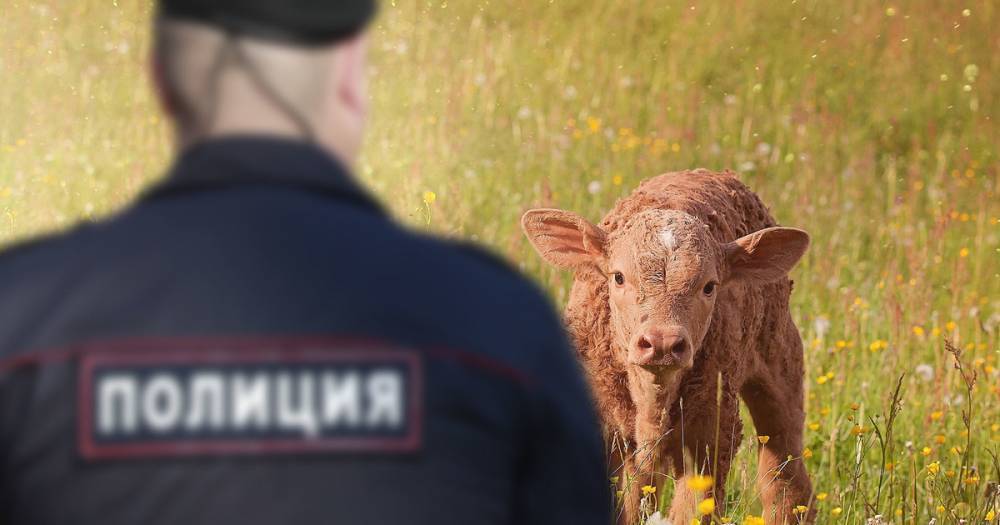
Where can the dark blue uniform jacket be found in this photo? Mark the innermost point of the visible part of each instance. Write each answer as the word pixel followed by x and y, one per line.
pixel 255 341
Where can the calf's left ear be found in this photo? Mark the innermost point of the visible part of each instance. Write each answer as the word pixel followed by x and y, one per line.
pixel 765 255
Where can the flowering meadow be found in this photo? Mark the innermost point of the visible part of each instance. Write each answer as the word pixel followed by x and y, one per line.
pixel 872 125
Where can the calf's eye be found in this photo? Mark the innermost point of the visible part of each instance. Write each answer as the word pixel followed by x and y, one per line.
pixel 709 288
pixel 619 278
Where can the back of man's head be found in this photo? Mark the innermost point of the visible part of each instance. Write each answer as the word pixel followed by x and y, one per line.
pixel 291 68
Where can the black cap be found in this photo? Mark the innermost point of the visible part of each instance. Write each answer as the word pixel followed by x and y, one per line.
pixel 302 22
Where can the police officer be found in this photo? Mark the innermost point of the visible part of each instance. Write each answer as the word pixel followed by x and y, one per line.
pixel 255 341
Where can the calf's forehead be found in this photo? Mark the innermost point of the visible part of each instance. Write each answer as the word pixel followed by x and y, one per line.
pixel 661 233
pixel 664 242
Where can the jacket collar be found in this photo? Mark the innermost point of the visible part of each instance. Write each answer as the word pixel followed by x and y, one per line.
pixel 257 160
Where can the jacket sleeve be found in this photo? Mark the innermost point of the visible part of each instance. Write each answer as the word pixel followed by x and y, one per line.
pixel 563 475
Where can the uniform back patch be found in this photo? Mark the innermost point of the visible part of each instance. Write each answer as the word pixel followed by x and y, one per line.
pixel 256 398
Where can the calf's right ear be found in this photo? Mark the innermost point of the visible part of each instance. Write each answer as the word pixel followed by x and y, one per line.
pixel 564 239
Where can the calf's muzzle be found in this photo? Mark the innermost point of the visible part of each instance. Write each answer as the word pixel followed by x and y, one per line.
pixel 657 347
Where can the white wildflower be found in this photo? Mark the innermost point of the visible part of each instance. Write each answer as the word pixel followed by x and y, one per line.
pixel 971 72
pixel 822 326
pixel 657 519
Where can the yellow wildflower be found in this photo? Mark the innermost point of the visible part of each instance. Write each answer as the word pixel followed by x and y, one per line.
pixel 648 489
pixel 616 180
pixel 857 430
pixel 926 451
pixel 990 515
pixel 699 483
pixel 594 124
pixel 964 252
pixel 855 406
pixel 800 509
pixel 706 507
pixel 807 453
pixel 429 197
pixel 763 439
pixel 918 331
pixel 950 326
pixel 821 496
pixel 972 480
pixel 936 415
pixel 836 511
pixel 753 520
pixel 939 439
pixel 940 509
pixel 933 468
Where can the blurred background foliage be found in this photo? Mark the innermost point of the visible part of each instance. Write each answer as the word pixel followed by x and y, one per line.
pixel 870 124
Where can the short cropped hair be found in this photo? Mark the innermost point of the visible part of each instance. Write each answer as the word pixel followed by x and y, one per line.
pixel 201 67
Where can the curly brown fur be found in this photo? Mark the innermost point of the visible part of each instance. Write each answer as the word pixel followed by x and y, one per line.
pixel 672 239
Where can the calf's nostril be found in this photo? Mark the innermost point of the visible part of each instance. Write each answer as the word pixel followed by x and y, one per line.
pixel 644 343
pixel 678 347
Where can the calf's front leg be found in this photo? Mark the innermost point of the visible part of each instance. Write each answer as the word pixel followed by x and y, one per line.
pixel 710 439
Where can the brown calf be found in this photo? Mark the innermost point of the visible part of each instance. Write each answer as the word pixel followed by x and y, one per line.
pixel 679 307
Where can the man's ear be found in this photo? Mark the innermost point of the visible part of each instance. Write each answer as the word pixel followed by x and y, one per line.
pixel 563 238
pixel 352 74
pixel 766 255
pixel 158 76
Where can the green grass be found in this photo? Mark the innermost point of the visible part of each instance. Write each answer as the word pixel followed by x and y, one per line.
pixel 871 125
